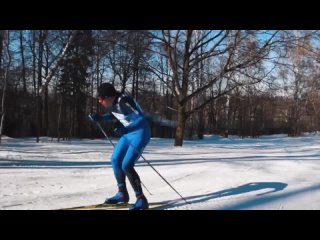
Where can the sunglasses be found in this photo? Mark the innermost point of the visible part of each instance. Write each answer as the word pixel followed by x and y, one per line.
pixel 100 99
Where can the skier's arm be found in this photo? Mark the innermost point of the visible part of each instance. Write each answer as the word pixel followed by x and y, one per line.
pixel 106 117
pixel 137 121
pixel 133 113
pixel 100 117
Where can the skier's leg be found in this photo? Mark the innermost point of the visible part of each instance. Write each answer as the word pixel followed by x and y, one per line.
pixel 118 154
pixel 138 141
pixel 128 168
pixel 116 160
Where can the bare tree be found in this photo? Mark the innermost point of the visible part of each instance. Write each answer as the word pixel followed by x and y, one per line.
pixel 23 66
pixel 42 36
pixel 312 103
pixel 55 64
pixel 229 54
pixel 5 36
pixel 42 85
pixel 120 56
pixel 295 72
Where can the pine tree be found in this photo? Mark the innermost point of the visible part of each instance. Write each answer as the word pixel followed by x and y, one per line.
pixel 73 83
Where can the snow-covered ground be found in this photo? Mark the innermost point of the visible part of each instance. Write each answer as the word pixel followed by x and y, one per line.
pixel 270 172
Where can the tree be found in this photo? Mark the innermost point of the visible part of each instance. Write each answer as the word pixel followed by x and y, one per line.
pixel 295 72
pixel 4 45
pixel 23 66
pixel 73 82
pixel 229 55
pixel 120 56
pixel 42 85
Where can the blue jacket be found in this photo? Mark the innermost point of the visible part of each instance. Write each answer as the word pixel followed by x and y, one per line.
pixel 127 111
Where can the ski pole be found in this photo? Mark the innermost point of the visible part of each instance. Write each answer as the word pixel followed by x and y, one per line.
pixel 104 133
pixel 98 124
pixel 156 170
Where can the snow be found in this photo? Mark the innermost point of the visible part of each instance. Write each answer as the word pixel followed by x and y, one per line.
pixel 270 172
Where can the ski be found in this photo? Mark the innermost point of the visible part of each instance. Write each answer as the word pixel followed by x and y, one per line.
pixel 98 206
pixel 122 206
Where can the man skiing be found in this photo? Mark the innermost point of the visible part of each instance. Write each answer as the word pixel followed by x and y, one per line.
pixel 135 135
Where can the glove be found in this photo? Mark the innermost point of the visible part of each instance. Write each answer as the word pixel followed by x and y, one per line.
pixel 95 117
pixel 120 131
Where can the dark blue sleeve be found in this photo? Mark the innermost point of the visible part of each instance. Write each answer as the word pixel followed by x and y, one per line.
pixel 136 123
pixel 132 111
pixel 107 117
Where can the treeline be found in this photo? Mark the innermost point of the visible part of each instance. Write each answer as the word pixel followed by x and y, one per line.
pixel 190 83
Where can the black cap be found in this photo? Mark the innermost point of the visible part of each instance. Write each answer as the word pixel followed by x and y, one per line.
pixel 106 90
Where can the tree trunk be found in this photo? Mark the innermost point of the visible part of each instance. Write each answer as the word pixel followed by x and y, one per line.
pixel 39 98
pixel 92 100
pixel 33 46
pixel 23 70
pixel 228 114
pixel 1 47
pixel 3 93
pixel 39 117
pixel 46 94
pixel 200 124
pixel 3 104
pixel 46 112
pixel 4 45
pixel 71 126
pixel 180 125
pixel 137 84
pixel 59 119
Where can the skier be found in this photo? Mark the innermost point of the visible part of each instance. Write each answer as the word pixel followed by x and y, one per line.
pixel 135 134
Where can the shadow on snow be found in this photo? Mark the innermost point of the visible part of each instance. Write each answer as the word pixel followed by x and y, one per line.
pixel 249 187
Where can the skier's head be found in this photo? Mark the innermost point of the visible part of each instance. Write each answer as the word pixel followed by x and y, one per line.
pixel 106 94
pixel 106 90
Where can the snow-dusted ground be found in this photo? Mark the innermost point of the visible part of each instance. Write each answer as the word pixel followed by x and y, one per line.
pixel 270 172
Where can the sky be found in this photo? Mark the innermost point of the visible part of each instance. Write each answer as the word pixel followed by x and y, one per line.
pixel 267 173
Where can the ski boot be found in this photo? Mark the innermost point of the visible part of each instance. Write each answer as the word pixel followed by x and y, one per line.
pixel 119 197
pixel 141 203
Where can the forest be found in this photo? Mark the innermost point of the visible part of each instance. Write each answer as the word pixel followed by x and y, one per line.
pixel 189 82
